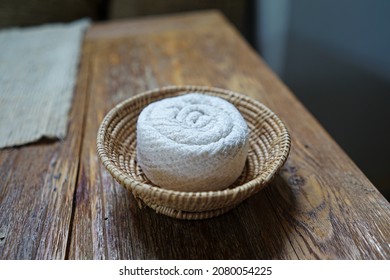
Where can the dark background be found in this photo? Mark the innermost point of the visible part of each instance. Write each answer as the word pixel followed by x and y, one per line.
pixel 333 54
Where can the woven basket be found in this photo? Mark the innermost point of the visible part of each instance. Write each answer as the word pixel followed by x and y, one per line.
pixel 116 145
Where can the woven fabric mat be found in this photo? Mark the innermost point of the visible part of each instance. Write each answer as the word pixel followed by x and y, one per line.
pixel 38 70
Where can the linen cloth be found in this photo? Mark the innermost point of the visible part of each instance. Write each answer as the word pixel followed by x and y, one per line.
pixel 38 69
pixel 193 142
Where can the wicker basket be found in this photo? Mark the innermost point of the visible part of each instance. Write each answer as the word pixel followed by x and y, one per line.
pixel 116 146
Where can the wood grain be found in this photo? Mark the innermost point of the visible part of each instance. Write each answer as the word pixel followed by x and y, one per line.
pixel 320 206
pixel 37 186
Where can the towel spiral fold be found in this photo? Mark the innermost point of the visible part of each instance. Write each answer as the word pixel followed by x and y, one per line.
pixel 192 142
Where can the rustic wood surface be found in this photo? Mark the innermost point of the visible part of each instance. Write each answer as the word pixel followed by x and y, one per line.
pixel 320 206
pixel 37 184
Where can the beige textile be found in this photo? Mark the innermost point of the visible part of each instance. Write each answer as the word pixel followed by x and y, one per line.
pixel 38 69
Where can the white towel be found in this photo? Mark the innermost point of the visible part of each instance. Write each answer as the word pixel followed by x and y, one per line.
pixel 192 142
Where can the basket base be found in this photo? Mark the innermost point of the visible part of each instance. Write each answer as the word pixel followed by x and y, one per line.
pixel 185 215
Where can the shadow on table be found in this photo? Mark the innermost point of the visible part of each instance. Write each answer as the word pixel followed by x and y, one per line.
pixel 253 230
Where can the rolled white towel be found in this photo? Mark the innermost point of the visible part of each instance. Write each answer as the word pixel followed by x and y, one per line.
pixel 192 142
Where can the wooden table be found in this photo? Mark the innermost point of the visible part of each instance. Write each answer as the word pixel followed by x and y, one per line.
pixel 58 202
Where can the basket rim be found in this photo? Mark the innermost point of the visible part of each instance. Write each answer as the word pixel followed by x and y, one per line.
pixel 133 184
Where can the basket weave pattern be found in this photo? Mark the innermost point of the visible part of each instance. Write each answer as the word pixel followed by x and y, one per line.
pixel 116 146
